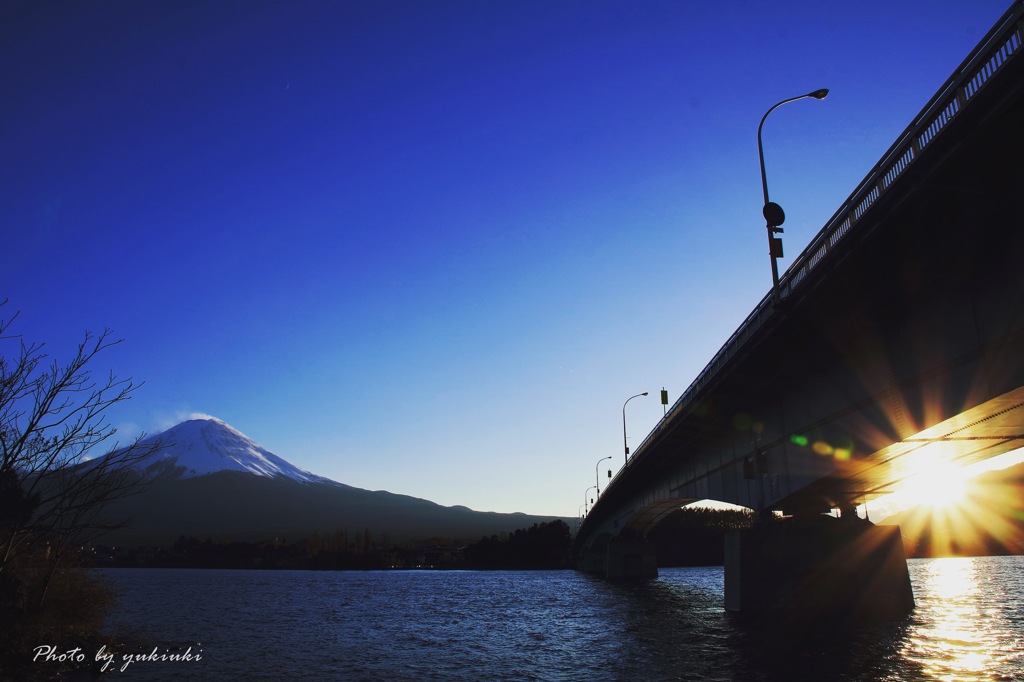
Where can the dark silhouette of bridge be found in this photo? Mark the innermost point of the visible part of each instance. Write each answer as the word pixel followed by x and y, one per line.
pixel 897 337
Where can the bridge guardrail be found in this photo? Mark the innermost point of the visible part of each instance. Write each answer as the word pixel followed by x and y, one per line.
pixel 1002 43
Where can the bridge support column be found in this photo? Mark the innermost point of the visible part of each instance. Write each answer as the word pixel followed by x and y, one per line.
pixel 818 568
pixel 630 558
pixel 593 560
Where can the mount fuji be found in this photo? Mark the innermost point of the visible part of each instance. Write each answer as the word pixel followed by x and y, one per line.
pixel 198 447
pixel 208 480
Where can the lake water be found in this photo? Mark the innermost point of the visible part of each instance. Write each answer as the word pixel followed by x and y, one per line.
pixel 557 625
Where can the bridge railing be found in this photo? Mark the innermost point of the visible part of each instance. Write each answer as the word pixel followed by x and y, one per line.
pixel 1001 44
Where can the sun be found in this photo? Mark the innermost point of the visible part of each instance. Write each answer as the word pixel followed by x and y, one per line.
pixel 944 510
pixel 934 484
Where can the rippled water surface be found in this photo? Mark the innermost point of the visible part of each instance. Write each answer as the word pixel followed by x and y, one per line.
pixel 273 625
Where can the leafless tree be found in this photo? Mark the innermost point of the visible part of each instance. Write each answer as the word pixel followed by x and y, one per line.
pixel 53 425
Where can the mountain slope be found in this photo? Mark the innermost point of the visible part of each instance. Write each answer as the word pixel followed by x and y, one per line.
pixel 213 482
pixel 237 506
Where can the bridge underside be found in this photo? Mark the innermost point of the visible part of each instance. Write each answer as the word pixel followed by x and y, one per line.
pixel 987 430
pixel 990 429
pixel 641 523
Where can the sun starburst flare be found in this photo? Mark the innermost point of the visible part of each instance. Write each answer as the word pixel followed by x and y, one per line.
pixel 951 514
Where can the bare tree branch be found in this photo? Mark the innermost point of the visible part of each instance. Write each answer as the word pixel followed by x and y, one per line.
pixel 55 481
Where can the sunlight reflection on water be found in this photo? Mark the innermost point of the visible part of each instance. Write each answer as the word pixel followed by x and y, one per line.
pixel 968 620
pixel 558 625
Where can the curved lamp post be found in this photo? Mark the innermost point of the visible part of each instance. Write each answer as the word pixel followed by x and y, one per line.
pixel 586 510
pixel 624 445
pixel 773 213
pixel 597 476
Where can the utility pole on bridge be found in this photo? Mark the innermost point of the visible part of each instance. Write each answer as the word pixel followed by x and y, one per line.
pixel 773 214
pixel 624 445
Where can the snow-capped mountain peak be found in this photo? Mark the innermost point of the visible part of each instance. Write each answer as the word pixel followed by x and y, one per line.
pixel 204 446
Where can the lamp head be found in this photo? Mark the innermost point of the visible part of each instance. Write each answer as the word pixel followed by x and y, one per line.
pixel 774 214
pixel 819 94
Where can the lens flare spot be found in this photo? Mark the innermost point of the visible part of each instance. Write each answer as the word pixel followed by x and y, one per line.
pixel 800 440
pixel 820 447
pixel 842 454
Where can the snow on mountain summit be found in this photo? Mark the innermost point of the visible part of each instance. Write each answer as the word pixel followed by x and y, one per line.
pixel 204 446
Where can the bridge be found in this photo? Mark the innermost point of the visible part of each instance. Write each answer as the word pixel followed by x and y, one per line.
pixel 896 337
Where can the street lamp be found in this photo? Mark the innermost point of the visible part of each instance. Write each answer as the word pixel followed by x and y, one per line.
pixel 597 476
pixel 624 445
pixel 585 498
pixel 773 213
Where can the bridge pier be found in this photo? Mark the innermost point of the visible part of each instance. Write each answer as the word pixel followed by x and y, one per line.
pixel 620 559
pixel 593 560
pixel 818 568
pixel 629 559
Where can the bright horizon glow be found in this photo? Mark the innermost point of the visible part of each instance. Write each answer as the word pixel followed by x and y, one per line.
pixel 431 248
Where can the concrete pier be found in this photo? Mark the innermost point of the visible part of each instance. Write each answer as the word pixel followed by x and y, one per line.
pixel 620 559
pixel 818 568
pixel 630 559
pixel 593 560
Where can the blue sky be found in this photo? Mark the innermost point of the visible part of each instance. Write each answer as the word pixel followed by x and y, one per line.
pixel 431 247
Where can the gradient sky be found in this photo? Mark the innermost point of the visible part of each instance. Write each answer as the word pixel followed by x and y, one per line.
pixel 431 247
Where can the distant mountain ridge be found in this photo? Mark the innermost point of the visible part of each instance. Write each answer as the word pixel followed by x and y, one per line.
pixel 212 481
